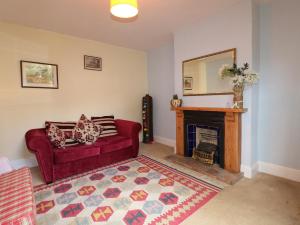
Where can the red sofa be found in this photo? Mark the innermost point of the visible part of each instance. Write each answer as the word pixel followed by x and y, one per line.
pixel 60 163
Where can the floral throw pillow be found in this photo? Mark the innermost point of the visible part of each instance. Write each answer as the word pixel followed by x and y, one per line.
pixel 85 131
pixel 56 136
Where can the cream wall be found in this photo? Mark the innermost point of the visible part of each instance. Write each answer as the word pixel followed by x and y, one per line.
pixel 117 90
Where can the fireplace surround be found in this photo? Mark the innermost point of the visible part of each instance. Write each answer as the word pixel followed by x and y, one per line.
pixel 230 158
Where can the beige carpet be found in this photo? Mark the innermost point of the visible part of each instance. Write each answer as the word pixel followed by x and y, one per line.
pixel 263 200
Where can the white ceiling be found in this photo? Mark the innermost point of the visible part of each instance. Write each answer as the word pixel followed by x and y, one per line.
pixel 91 19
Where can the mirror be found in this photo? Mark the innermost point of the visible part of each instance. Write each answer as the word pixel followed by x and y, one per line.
pixel 200 75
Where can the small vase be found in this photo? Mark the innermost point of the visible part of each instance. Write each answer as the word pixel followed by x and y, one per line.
pixel 176 103
pixel 238 97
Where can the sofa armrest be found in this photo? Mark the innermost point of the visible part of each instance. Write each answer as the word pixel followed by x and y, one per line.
pixel 38 143
pixel 130 129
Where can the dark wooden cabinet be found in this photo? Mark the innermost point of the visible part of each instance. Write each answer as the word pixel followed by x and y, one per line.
pixel 147 119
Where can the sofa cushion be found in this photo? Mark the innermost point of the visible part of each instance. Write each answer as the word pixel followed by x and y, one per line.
pixel 113 143
pixel 108 125
pixel 85 131
pixel 74 153
pixel 67 128
pixel 56 136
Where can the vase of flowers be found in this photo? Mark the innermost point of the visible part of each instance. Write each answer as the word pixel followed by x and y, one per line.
pixel 240 77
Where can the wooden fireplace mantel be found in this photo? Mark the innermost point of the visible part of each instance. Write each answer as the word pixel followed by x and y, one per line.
pixel 232 139
pixel 210 109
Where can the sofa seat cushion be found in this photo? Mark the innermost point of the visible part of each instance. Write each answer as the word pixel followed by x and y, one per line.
pixel 74 153
pixel 113 143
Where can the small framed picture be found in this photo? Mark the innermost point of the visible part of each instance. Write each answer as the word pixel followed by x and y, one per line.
pixel 39 75
pixel 92 63
pixel 188 83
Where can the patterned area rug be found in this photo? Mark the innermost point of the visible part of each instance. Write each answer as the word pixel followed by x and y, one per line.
pixel 134 192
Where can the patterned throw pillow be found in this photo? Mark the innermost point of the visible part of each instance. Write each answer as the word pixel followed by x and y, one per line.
pixel 85 131
pixel 56 136
pixel 108 125
pixel 67 128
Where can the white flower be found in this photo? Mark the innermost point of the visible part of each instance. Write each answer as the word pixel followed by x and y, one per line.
pixel 251 77
pixel 248 77
pixel 238 80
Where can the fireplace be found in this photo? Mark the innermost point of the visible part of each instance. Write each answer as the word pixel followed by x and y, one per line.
pixel 225 123
pixel 204 134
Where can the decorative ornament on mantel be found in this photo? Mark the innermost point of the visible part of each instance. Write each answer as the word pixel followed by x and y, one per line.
pixel 124 8
pixel 240 77
pixel 175 102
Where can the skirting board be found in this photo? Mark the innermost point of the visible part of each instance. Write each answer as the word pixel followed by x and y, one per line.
pixel 165 141
pixel 279 171
pixel 249 172
pixel 272 169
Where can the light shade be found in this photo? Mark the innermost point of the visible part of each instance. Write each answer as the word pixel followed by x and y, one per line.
pixel 124 8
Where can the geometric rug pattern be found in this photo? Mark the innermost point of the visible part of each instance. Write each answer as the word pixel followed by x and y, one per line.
pixel 134 192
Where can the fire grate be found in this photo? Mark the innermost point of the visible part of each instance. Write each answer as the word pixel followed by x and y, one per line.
pixel 205 153
pixel 207 140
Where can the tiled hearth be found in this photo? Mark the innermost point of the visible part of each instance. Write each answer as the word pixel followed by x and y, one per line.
pixel 213 171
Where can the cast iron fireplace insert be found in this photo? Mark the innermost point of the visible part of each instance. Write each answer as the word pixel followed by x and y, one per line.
pixel 207 120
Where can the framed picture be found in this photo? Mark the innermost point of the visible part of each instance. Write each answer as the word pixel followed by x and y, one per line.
pixel 188 83
pixel 39 75
pixel 92 63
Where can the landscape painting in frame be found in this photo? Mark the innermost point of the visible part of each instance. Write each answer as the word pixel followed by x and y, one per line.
pixel 92 63
pixel 39 75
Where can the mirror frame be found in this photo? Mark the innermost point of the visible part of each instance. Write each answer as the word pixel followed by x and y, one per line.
pixel 205 56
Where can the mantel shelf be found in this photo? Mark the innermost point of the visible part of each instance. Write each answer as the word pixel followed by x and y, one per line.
pixel 211 109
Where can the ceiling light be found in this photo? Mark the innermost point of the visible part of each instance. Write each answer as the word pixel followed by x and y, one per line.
pixel 124 8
